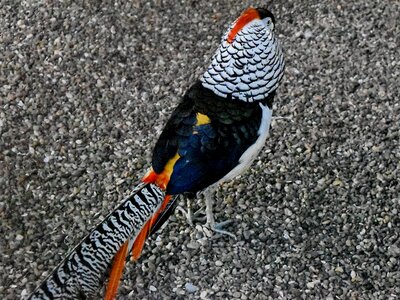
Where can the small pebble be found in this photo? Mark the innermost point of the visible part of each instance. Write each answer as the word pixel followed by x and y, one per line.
pixel 191 288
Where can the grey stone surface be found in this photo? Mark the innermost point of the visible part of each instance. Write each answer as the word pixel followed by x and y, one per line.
pixel 86 87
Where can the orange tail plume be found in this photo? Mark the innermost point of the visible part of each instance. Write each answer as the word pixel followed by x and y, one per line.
pixel 116 272
pixel 137 248
pixel 144 233
pixel 160 180
pixel 138 245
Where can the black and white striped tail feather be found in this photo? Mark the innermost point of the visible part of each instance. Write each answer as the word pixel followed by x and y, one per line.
pixel 80 274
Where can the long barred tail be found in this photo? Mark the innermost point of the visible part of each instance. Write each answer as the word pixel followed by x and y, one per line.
pixel 81 273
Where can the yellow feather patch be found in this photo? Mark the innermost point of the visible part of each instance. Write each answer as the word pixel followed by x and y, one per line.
pixel 202 119
pixel 169 167
pixel 163 178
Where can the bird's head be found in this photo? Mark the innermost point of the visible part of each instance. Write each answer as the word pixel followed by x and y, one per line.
pixel 249 63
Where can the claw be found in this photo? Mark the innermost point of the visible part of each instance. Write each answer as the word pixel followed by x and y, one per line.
pixel 210 223
pixel 190 216
pixel 217 227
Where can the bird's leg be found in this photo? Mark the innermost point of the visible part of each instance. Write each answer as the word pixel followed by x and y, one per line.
pixel 217 227
pixel 190 216
pixel 208 194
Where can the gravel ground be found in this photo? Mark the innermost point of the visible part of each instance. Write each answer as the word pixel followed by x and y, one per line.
pixel 86 88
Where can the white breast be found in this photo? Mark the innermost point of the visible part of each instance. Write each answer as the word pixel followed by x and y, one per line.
pixel 250 154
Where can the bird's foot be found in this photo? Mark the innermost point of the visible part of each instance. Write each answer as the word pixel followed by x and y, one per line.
pixel 191 216
pixel 218 228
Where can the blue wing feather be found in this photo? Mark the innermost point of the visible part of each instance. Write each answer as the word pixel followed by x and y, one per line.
pixel 203 160
pixel 209 151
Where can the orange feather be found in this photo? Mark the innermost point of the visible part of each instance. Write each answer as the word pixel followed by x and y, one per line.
pixel 117 268
pixel 246 17
pixel 116 272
